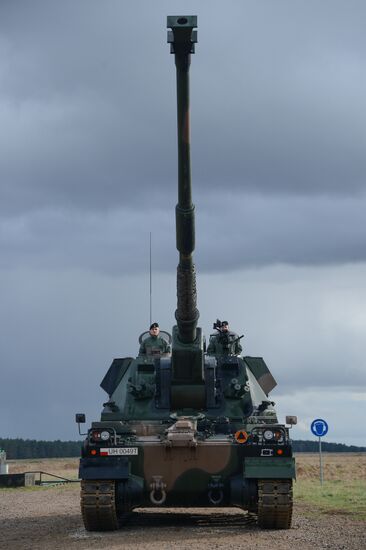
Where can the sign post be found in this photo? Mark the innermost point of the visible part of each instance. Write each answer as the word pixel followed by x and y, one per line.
pixel 319 427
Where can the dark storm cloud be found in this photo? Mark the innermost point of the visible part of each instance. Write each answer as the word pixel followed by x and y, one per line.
pixel 80 106
pixel 290 103
pixel 234 230
pixel 242 230
pixel 88 169
pixel 61 330
pixel 88 106
pixel 88 140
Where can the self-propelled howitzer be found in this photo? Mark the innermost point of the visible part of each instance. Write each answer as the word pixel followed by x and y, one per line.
pixel 186 428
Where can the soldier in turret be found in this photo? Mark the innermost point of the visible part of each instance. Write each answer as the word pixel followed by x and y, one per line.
pixel 154 344
pixel 225 342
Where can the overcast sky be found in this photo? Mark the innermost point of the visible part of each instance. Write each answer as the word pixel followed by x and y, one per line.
pixel 88 169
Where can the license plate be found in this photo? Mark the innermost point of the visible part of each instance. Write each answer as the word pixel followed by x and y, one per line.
pixel 120 451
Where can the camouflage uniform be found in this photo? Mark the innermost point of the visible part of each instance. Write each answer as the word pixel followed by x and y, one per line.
pixel 224 344
pixel 154 345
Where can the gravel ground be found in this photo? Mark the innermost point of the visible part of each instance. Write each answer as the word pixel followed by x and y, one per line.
pixel 49 518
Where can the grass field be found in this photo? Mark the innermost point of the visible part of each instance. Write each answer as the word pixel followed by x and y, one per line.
pixel 336 496
pixel 343 490
pixel 344 487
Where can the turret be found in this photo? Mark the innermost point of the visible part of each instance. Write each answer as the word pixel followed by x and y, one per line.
pixel 187 348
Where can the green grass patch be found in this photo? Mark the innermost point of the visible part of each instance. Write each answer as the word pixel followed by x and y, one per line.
pixel 337 496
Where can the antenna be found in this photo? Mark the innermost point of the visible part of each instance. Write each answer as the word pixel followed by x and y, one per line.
pixel 150 285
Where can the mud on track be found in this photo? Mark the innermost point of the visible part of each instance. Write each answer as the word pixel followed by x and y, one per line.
pixel 49 518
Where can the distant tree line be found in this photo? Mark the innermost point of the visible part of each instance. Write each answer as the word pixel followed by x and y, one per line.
pixel 30 448
pixel 313 447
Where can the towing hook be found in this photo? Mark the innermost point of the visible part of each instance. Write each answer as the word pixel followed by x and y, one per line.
pixel 215 491
pixel 215 496
pixel 158 493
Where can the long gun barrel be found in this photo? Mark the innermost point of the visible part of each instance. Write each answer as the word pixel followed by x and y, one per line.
pixel 182 38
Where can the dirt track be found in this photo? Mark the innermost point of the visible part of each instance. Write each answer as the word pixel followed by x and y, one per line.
pixel 49 518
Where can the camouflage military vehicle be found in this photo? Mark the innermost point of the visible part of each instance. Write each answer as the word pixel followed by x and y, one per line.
pixel 186 429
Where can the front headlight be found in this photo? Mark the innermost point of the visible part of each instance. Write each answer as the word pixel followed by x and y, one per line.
pixel 97 435
pixel 104 436
pixel 268 435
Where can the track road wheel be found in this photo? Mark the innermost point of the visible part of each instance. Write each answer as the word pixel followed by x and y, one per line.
pixel 98 505
pixel 275 503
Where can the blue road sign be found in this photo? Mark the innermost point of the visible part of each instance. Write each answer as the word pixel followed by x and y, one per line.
pixel 319 427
